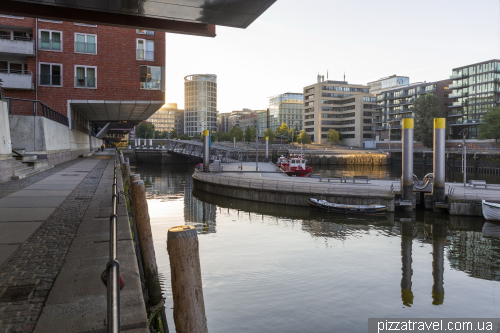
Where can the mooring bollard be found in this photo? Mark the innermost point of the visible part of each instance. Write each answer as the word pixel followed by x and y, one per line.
pixel 135 177
pixel 187 289
pixel 145 236
pixel 122 160
pixel 439 160
pixel 407 172
pixel 206 151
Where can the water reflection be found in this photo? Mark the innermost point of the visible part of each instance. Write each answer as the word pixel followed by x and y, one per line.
pixel 439 231
pixel 406 260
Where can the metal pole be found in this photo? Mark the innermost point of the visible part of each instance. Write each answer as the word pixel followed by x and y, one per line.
pixel 267 149
pixel 407 179
pixel 234 142
pixel 256 150
pixel 464 160
pixel 206 151
pixel 390 125
pixel 438 187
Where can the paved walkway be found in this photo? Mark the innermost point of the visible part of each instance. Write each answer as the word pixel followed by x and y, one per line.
pixel 54 240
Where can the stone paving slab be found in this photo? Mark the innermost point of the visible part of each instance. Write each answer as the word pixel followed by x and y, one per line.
pixel 49 186
pixel 59 181
pixel 40 193
pixel 17 232
pixel 25 215
pixel 33 202
pixel 6 251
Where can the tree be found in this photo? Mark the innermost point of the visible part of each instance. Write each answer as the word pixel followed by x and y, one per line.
pixel 332 136
pixel 282 130
pixel 491 127
pixel 269 134
pixel 426 108
pixel 185 137
pixel 224 136
pixel 145 130
pixel 197 136
pixel 174 134
pixel 236 132
pixel 249 134
pixel 304 137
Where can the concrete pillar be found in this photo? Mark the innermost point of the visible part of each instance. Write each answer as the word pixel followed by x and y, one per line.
pixel 438 187
pixel 206 151
pixel 267 150
pixel 139 140
pixel 438 238
pixel 151 142
pixel 407 177
pixel 406 261
pixel 234 142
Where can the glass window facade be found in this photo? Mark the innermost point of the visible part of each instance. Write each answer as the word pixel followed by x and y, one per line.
pixel 286 108
pixel 200 98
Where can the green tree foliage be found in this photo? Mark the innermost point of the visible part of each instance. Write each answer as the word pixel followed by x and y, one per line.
pixel 491 127
pixel 145 130
pixel 236 132
pixel 174 134
pixel 304 137
pixel 249 134
pixel 197 136
pixel 185 137
pixel 282 130
pixel 332 136
pixel 426 108
pixel 270 134
pixel 224 136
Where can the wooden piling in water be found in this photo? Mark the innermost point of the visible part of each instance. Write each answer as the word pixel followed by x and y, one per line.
pixel 187 290
pixel 145 236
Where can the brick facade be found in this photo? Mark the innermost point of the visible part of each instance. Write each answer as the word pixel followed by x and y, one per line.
pixel 117 67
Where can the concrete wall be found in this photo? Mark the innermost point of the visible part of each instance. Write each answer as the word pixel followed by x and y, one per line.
pixel 17 81
pixel 49 139
pixel 5 144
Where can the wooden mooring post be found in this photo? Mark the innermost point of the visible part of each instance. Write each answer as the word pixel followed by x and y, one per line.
pixel 145 236
pixel 187 290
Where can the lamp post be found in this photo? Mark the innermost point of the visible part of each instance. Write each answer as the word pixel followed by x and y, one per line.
pixel 464 154
pixel 256 149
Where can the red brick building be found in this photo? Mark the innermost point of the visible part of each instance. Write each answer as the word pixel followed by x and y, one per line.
pixel 92 74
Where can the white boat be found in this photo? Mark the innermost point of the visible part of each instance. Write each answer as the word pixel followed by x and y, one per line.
pixel 491 211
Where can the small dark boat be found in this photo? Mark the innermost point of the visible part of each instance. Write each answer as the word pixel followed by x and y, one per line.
pixel 348 209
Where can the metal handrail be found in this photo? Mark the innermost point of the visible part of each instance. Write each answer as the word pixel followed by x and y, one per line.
pixel 46 111
pixel 113 266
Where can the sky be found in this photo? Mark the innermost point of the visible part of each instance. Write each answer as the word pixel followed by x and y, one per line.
pixel 286 47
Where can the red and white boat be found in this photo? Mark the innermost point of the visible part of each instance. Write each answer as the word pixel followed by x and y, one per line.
pixel 296 167
pixel 281 160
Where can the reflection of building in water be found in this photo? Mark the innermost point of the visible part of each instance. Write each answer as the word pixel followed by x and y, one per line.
pixel 165 180
pixel 439 231
pixel 475 255
pixel 345 230
pixel 406 260
pixel 199 214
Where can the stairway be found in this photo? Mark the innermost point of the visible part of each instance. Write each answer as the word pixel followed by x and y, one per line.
pixel 25 165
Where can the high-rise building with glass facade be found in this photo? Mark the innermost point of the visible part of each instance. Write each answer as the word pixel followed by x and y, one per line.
pixel 262 120
pixel 200 103
pixel 286 108
pixel 475 89
pixel 168 118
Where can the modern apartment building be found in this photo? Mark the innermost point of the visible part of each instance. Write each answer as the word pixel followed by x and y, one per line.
pixel 346 108
pixel 397 103
pixel 262 120
pixel 200 103
pixel 223 122
pixel 386 83
pixel 286 108
pixel 91 74
pixel 475 89
pixel 248 120
pixel 168 118
pixel 235 116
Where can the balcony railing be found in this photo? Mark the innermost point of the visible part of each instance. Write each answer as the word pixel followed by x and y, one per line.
pixel 145 55
pixel 456 95
pixel 457 76
pixel 377 121
pixel 17 79
pixel 50 44
pixel 18 45
pixel 85 47
pixel 50 80
pixel 85 82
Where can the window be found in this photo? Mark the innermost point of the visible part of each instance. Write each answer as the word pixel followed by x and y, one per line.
pixel 145 32
pixel 150 77
pixel 51 75
pixel 50 40
pixel 85 43
pixel 85 76
pixel 145 49
pixel 13 67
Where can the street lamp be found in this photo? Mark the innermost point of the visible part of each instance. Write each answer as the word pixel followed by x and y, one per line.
pixel 390 122
pixel 464 154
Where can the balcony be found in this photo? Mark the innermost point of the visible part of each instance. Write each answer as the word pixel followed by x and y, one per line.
pixel 459 122
pixel 21 80
pixel 24 46
pixel 456 95
pixel 457 76
pixel 379 106
pixel 377 121
pixel 458 104
pixel 379 128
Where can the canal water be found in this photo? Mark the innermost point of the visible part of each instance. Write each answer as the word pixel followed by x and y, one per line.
pixel 274 268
